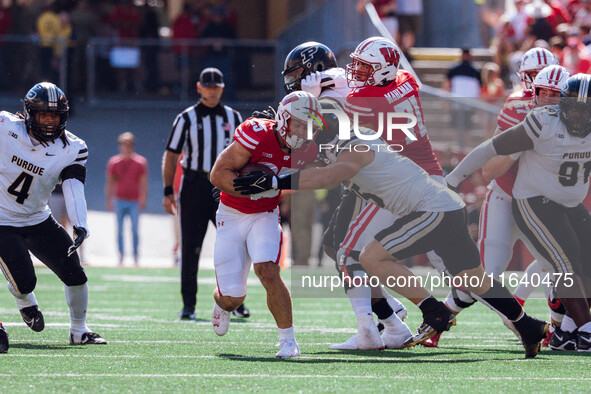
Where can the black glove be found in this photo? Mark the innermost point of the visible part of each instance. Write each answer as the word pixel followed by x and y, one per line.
pixel 80 234
pixel 215 193
pixel 265 114
pixel 255 182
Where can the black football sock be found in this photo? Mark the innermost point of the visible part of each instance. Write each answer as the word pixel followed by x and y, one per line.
pixel 382 309
pixel 500 298
pixel 428 305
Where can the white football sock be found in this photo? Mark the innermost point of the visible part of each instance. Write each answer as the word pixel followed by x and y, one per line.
pixel 22 300
pixel 286 334
pixel 586 327
pixel 568 324
pixel 534 274
pixel 77 299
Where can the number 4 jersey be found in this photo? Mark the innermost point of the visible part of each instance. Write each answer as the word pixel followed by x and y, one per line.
pixel 558 166
pixel 29 173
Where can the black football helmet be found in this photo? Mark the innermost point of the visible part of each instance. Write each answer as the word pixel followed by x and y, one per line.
pixel 575 105
pixel 303 60
pixel 45 97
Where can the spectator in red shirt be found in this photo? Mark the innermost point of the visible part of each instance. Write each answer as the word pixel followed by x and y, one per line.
pixel 127 188
pixel 574 58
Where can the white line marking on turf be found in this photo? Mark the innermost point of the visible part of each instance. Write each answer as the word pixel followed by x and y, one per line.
pixel 274 376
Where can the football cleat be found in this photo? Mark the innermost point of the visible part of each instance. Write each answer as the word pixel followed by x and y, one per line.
pixel 3 340
pixel 563 340
pixel 393 337
pixel 241 311
pixel 33 318
pixel 434 322
pixel 187 314
pixel 584 341
pixel 220 320
pixel 532 332
pixel 433 341
pixel 88 338
pixel 288 349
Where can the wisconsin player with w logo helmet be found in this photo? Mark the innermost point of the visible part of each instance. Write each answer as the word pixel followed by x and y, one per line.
pixel 552 181
pixel 39 153
pixel 248 226
pixel 379 88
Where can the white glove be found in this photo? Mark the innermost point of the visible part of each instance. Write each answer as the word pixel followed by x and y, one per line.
pixel 311 83
pixel 266 194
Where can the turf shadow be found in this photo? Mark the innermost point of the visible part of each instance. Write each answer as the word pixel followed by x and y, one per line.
pixel 40 346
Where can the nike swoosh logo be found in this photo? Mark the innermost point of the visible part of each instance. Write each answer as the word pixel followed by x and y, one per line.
pixel 558 337
pixel 48 154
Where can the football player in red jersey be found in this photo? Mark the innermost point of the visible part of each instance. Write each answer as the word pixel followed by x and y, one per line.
pixel 249 226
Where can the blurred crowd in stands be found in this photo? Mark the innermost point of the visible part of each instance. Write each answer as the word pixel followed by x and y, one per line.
pixel 561 26
pixel 57 25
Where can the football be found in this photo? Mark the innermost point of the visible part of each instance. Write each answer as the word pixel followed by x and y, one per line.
pixel 252 167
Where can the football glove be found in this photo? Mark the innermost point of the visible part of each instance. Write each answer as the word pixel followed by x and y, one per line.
pixel 268 113
pixel 80 234
pixel 215 193
pixel 255 182
pixel 311 83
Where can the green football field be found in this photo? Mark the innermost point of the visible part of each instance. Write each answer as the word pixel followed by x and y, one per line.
pixel 149 349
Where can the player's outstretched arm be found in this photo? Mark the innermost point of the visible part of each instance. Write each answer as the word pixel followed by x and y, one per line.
pixel 223 173
pixel 512 141
pixel 346 167
pixel 498 165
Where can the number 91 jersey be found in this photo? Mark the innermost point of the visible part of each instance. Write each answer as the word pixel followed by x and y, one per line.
pixel 29 173
pixel 558 166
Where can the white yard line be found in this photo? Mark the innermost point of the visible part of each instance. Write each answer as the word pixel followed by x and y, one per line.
pixel 277 376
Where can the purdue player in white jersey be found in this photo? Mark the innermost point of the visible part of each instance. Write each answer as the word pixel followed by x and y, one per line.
pixel 312 67
pixel 551 184
pixel 432 217
pixel 38 153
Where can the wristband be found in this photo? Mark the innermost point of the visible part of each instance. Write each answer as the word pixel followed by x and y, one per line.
pixel 291 181
pixel 168 190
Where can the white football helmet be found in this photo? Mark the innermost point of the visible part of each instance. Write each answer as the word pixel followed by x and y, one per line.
pixel 534 61
pixel 298 105
pixel 551 78
pixel 382 57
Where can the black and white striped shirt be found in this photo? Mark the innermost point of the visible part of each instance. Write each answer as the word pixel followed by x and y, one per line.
pixel 201 133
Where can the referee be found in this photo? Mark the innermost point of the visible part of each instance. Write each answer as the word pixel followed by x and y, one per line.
pixel 200 132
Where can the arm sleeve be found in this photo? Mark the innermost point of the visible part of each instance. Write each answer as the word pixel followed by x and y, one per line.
pixel 75 202
pixel 472 162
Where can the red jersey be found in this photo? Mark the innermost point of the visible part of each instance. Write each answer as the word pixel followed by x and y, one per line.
pixel 516 106
pixel 258 137
pixel 401 95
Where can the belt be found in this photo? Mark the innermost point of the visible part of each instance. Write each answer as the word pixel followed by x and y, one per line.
pixel 191 175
